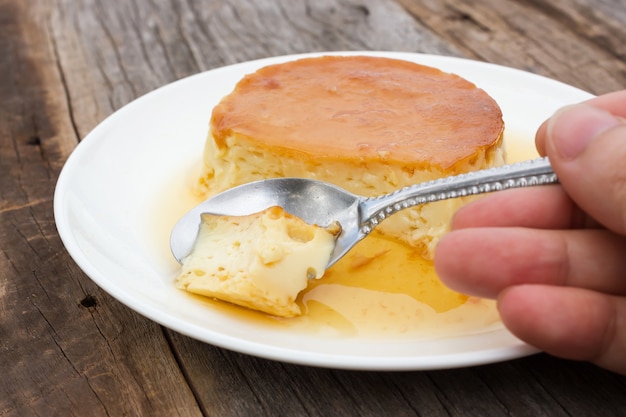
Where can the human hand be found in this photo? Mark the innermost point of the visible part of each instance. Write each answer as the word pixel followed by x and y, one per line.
pixel 555 256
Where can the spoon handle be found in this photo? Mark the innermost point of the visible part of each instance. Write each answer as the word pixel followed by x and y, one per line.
pixel 521 174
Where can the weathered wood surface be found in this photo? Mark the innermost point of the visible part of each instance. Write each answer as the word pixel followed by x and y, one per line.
pixel 67 348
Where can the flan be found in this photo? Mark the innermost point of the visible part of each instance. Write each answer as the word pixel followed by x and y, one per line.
pixel 261 261
pixel 368 124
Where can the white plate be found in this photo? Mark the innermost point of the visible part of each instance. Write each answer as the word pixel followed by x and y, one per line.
pixel 119 178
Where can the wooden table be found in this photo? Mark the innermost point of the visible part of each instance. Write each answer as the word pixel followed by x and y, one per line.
pixel 68 348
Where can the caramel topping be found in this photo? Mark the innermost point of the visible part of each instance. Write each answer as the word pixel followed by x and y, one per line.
pixel 362 109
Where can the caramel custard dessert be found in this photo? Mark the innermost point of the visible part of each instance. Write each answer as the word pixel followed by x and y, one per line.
pixel 261 261
pixel 370 125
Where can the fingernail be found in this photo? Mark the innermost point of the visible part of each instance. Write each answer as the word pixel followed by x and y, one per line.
pixel 573 128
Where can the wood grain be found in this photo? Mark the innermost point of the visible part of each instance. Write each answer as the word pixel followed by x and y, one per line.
pixel 572 41
pixel 68 348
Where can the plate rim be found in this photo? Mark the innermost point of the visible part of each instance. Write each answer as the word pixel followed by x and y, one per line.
pixel 288 355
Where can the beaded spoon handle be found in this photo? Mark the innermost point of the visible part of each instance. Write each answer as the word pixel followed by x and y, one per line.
pixel 317 202
pixel 521 174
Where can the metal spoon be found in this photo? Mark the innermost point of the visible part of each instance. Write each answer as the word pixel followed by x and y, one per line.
pixel 321 203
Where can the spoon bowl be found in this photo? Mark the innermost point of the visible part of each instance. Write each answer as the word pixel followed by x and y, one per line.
pixel 316 202
pixel 323 204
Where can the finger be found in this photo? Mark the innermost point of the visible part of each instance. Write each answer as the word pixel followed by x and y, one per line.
pixel 587 149
pixel 485 261
pixel 611 102
pixel 571 323
pixel 546 207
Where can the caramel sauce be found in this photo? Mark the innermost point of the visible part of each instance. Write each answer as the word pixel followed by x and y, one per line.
pixel 385 265
pixel 381 288
pixel 404 113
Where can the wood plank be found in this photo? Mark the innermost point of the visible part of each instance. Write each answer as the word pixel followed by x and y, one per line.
pixel 66 347
pixel 228 32
pixel 534 36
pixel 536 386
pixel 265 387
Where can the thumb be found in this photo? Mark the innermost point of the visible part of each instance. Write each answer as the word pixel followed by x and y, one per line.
pixel 587 149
